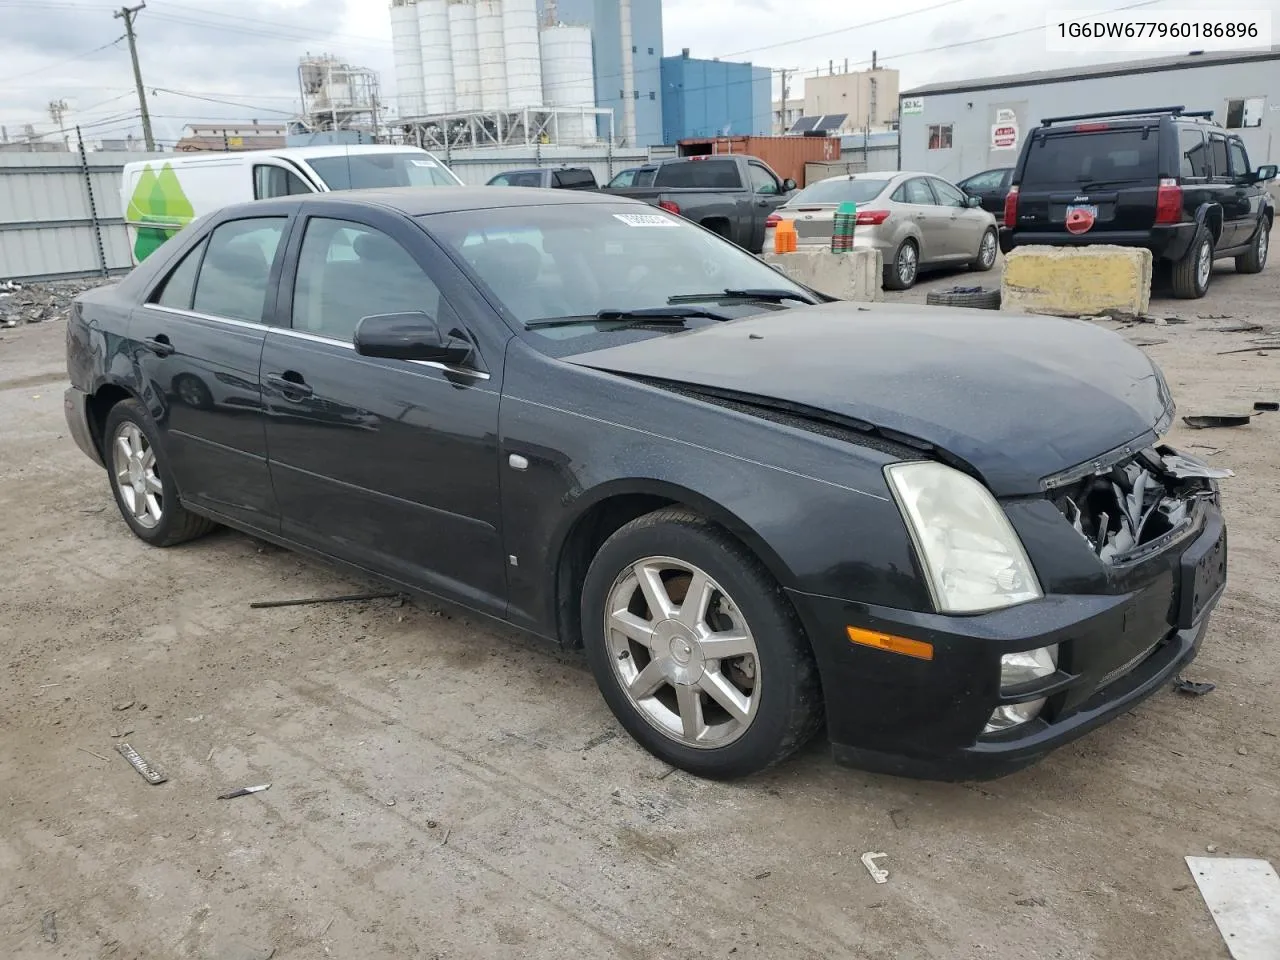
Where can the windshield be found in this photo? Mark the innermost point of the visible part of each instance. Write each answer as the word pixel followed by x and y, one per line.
pixel 359 171
pixel 574 260
pixel 839 190
pixel 1074 159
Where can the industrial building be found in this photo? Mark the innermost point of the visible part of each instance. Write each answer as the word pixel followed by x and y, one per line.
pixel 709 98
pixel 861 101
pixel 486 73
pixel 962 128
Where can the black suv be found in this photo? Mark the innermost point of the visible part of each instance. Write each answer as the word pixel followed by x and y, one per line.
pixel 1165 179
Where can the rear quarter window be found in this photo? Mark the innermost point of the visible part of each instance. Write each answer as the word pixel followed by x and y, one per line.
pixel 1110 157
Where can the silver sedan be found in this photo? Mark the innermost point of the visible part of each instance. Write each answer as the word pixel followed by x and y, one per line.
pixel 915 220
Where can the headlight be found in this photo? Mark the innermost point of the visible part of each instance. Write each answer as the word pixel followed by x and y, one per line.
pixel 1017 669
pixel 972 556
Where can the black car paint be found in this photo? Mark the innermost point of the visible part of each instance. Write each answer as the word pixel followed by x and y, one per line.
pixel 1233 208
pixel 403 470
pixel 992 199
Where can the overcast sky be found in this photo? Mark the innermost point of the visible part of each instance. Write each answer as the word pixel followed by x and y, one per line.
pixel 219 50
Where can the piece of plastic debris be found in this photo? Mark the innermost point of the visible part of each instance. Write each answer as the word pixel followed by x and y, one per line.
pixel 1184 467
pixel 244 791
pixel 1261 405
pixel 123 705
pixel 263 604
pixel 1243 897
pixel 149 773
pixel 49 926
pixel 869 861
pixel 1191 688
pixel 1199 422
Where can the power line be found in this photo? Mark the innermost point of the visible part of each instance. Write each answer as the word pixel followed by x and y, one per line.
pixel 59 63
pixel 230 103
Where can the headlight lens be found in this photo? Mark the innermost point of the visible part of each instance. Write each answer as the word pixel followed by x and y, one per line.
pixel 1016 669
pixel 973 557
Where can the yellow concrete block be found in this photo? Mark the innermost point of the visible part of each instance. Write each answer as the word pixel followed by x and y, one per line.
pixel 1077 281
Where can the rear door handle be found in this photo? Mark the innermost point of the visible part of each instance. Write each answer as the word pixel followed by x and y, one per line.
pixel 290 384
pixel 160 345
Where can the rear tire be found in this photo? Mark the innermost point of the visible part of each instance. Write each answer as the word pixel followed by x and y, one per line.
pixel 901 272
pixel 978 299
pixel 1256 258
pixel 724 688
pixel 141 481
pixel 1191 273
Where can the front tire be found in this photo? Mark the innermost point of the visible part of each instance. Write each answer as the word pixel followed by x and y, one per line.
pixel 696 649
pixel 901 273
pixel 1191 273
pixel 1256 258
pixel 141 481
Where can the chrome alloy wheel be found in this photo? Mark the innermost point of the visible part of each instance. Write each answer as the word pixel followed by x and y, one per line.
pixel 987 253
pixel 1263 241
pixel 138 481
pixel 907 264
pixel 1204 264
pixel 682 652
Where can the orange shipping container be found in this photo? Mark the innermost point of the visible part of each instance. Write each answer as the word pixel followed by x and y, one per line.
pixel 786 155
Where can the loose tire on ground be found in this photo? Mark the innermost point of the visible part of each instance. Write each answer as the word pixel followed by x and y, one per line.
pixel 978 299
pixel 1256 257
pixel 1191 274
pixel 668 559
pixel 141 481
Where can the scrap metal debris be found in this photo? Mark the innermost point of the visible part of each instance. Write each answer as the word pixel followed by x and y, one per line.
pixel 149 773
pixel 1183 467
pixel 263 604
pixel 1201 421
pixel 38 302
pixel 1191 688
pixel 877 874
pixel 244 791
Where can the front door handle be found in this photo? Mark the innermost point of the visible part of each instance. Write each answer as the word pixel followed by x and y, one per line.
pixel 290 384
pixel 159 345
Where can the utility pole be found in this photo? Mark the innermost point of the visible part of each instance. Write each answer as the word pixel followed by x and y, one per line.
pixel 127 14
pixel 58 110
pixel 783 112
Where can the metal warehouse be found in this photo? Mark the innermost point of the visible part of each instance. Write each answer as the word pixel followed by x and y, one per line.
pixel 958 129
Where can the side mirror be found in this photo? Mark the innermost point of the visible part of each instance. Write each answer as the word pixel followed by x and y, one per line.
pixel 408 336
pixel 970 201
pixel 1266 172
pixel 788 184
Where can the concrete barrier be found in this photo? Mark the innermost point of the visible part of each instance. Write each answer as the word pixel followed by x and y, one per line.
pixel 856 275
pixel 1077 281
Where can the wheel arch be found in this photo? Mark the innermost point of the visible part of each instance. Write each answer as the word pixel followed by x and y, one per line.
pixel 605 510
pixel 1210 214
pixel 99 405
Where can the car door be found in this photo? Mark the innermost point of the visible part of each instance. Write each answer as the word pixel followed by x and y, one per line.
pixel 199 337
pixel 931 220
pixel 387 464
pixel 1245 203
pixel 967 223
pixel 1223 191
pixel 767 195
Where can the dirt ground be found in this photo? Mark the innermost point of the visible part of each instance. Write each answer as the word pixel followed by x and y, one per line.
pixel 441 787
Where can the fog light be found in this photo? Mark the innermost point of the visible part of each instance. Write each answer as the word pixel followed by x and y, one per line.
pixel 1015 670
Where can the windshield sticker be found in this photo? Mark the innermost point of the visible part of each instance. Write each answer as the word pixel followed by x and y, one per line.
pixel 645 220
pixel 423 163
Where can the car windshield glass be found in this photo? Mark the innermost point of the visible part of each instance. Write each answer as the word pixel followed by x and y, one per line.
pixel 1074 159
pixel 839 191
pixel 574 260
pixel 359 171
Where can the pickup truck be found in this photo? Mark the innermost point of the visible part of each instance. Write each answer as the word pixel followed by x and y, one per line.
pixel 729 195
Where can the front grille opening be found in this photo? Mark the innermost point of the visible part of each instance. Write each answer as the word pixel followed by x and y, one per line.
pixel 1137 506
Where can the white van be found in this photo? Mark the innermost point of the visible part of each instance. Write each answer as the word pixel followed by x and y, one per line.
pixel 162 196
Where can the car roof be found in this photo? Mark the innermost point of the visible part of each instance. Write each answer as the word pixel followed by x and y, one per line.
pixel 423 201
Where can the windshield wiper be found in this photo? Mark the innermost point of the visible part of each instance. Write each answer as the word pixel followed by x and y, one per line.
pixel 1093 184
pixel 674 316
pixel 766 294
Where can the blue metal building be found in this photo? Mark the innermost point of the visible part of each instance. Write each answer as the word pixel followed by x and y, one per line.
pixel 602 16
pixel 710 98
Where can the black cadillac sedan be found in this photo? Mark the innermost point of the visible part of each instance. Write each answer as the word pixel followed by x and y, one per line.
pixel 954 536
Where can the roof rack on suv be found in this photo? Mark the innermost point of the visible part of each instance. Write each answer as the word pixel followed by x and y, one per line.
pixel 1152 111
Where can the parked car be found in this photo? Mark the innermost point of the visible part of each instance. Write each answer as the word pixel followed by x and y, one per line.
pixel 729 195
pixel 633 177
pixel 562 178
pixel 755 508
pixel 160 197
pixel 990 187
pixel 916 220
pixel 1165 179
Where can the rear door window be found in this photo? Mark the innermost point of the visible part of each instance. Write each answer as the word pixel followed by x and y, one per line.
pixel 985 182
pixel 179 287
pixel 1104 158
pixel 699 173
pixel 235 275
pixel 1194 162
pixel 1239 159
pixel 1218 151
pixel 272 181
pixel 915 191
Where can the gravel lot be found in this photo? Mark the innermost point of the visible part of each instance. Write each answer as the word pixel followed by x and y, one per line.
pixel 441 787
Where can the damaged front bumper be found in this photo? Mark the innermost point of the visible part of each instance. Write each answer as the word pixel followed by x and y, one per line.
pixel 1124 626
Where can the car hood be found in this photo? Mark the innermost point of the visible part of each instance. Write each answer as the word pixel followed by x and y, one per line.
pixel 1017 398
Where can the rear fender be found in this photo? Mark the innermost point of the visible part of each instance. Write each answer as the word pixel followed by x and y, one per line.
pixel 1209 215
